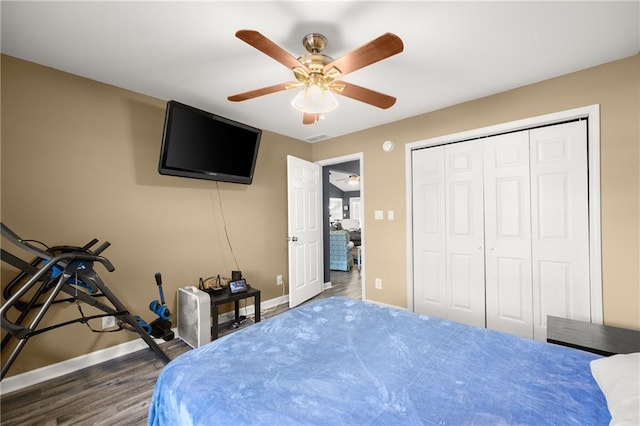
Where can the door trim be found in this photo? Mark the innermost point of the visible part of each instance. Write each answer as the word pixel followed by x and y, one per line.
pixel 343 159
pixel 592 113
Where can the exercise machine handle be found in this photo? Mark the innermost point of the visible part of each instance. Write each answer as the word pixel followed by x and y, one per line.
pixel 87 246
pixel 102 248
pixel 158 276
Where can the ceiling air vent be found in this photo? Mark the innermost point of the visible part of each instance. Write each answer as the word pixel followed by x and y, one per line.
pixel 317 138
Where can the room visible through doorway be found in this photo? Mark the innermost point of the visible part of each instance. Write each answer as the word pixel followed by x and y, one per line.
pixel 343 223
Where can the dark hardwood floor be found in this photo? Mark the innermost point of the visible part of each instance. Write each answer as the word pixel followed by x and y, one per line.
pixel 118 392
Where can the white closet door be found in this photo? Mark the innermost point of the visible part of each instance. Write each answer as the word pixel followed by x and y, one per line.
pixel 429 242
pixel 465 233
pixel 508 234
pixel 560 224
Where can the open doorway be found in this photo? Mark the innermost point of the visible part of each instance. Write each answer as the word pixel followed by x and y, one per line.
pixel 343 223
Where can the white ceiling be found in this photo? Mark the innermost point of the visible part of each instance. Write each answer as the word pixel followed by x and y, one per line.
pixel 453 51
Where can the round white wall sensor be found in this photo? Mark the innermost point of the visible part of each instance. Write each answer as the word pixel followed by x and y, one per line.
pixel 387 146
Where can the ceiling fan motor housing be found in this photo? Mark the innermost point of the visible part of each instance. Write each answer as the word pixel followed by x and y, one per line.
pixel 314 42
pixel 315 62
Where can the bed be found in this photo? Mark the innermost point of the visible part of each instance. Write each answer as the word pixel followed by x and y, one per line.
pixel 340 361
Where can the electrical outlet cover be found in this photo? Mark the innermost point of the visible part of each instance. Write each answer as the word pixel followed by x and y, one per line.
pixel 108 322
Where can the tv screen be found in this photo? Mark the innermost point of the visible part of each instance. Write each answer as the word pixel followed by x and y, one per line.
pixel 201 145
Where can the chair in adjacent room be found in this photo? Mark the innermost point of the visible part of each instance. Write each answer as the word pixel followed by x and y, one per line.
pixel 340 251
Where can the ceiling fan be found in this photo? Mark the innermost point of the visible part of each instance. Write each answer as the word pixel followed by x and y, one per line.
pixel 319 75
pixel 345 178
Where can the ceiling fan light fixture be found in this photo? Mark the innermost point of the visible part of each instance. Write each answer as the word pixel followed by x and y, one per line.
pixel 314 99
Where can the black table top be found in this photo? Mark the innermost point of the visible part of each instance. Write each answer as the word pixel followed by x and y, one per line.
pixel 226 296
pixel 596 338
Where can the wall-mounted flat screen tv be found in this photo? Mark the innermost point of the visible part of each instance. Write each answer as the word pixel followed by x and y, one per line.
pixel 198 144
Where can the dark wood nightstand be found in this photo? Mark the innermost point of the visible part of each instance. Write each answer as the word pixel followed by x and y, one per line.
pixel 600 339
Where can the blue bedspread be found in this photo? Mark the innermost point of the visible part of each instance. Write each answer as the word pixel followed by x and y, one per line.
pixel 345 362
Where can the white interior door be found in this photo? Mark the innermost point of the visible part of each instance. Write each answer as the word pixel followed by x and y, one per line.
pixel 464 227
pixel 304 230
pixel 448 252
pixel 429 237
pixel 508 234
pixel 560 224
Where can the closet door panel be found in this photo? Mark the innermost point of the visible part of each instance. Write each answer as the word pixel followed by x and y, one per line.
pixel 464 233
pixel 429 252
pixel 508 234
pixel 560 224
pixel 461 282
pixel 511 291
pixel 555 293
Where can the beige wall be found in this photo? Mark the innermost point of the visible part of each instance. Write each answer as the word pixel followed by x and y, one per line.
pixel 615 86
pixel 79 160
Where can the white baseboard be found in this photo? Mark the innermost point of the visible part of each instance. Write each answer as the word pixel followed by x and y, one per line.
pixel 39 375
pixel 250 310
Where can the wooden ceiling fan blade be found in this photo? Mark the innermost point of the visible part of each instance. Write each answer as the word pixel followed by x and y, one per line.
pixel 269 48
pixel 365 95
pixel 310 118
pixel 376 50
pixel 260 92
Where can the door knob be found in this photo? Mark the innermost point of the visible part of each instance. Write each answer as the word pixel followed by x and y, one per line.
pixel 294 239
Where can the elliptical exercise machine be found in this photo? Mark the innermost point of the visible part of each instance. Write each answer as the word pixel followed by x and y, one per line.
pixel 70 270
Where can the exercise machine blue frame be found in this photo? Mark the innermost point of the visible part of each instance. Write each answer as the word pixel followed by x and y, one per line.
pixel 63 269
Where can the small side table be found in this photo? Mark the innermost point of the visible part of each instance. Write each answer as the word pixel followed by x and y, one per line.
pixel 226 297
pixel 596 338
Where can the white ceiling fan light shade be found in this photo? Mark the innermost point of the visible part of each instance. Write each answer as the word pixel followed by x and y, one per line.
pixel 314 99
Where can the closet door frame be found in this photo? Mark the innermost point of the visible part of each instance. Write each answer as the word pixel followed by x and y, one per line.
pixel 592 113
